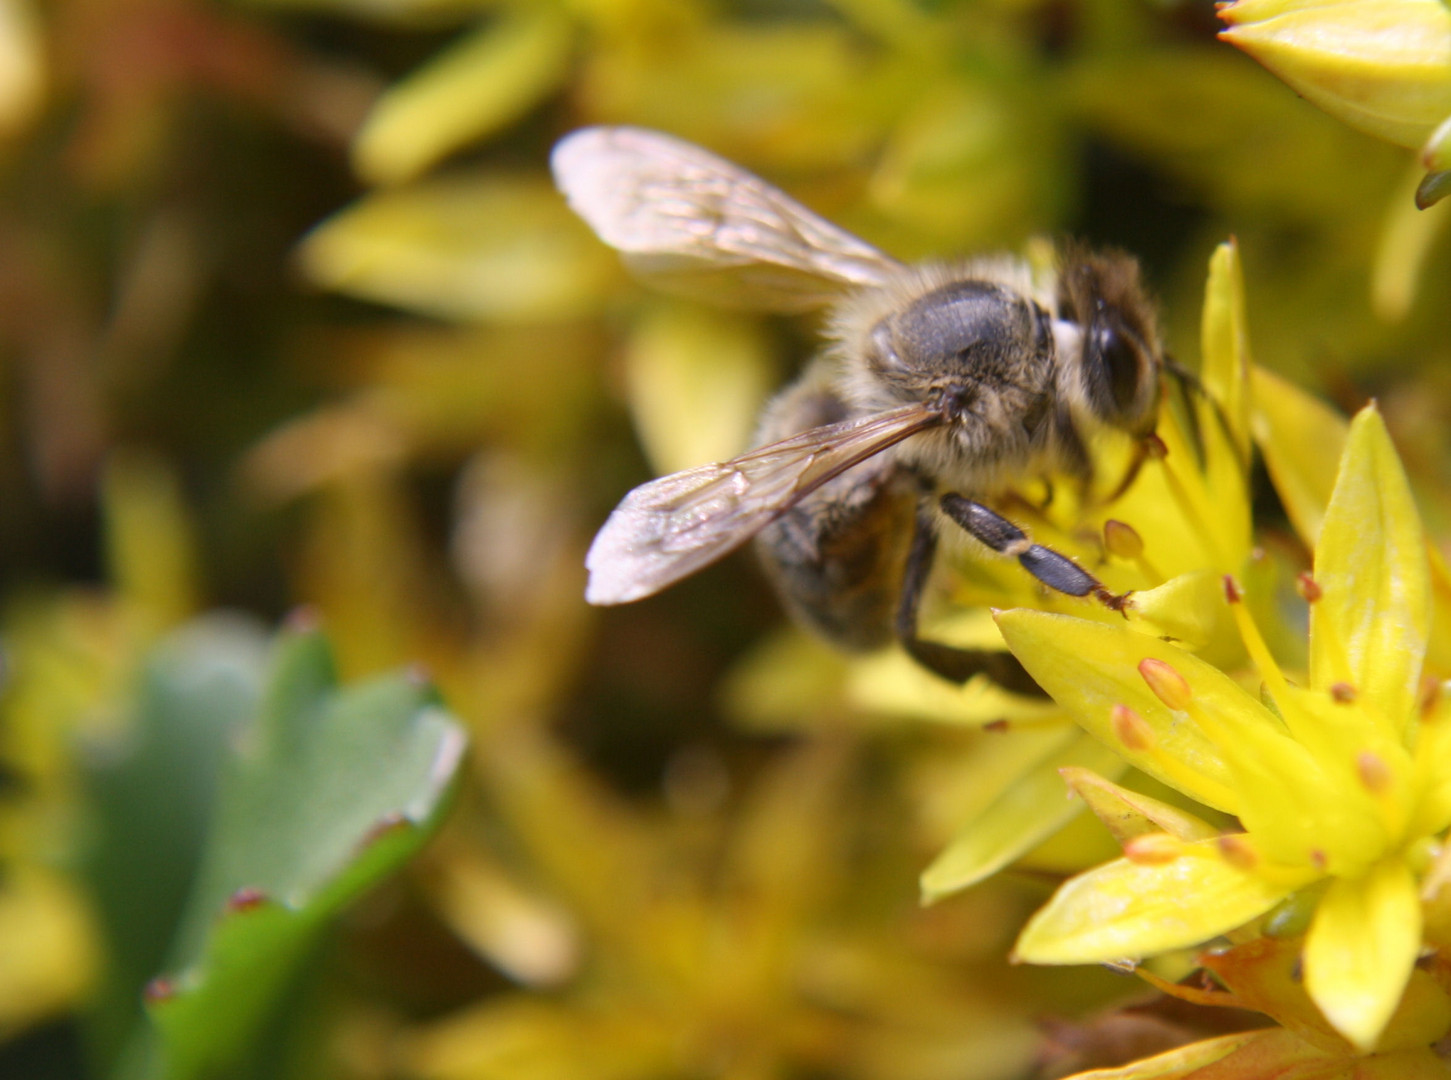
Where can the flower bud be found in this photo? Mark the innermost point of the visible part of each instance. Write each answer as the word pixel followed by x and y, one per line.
pixel 1382 66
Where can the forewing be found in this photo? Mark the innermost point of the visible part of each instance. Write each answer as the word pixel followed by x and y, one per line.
pixel 692 222
pixel 671 527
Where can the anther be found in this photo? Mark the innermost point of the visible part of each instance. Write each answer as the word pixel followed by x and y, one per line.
pixel 1236 850
pixel 1342 693
pixel 1153 849
pixel 1232 591
pixel 1167 684
pixel 1308 588
pixel 1374 773
pixel 1131 728
pixel 1122 540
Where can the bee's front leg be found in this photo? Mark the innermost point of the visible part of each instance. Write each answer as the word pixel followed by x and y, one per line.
pixel 1052 568
pixel 952 663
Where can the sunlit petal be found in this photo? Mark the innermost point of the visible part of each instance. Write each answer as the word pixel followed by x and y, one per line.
pixel 1123 909
pixel 1370 625
pixel 1361 948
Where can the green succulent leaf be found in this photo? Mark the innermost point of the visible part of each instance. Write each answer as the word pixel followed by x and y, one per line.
pixel 327 792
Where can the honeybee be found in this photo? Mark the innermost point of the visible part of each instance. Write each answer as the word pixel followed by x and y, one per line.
pixel 939 385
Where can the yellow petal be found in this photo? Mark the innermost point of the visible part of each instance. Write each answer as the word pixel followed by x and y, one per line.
pixel 890 683
pixel 1408 235
pixel 1125 910
pixel 150 540
pixel 1301 438
pixel 469 246
pixel 1432 762
pixel 1420 1063
pixel 1190 609
pixel 48 947
pixel 696 381
pixel 474 87
pixel 1128 813
pixel 1182 1061
pixel 22 65
pixel 1361 948
pixel 1370 625
pixel 1090 667
pixel 1030 809
pixel 1225 343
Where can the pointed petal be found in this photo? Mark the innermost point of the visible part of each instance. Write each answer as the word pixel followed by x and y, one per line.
pixel 1027 812
pixel 1361 948
pixel 1182 1061
pixel 1090 667
pixel 1124 909
pixel 1370 625
pixel 1190 609
pixel 1225 343
pixel 1420 1063
pixel 1128 814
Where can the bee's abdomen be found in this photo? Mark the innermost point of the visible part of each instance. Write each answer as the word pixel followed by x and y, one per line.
pixel 837 557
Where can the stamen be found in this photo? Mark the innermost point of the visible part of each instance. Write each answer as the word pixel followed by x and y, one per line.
pixel 1326 642
pixel 1236 850
pixel 1131 729
pixel 1153 849
pixel 1374 773
pixel 1254 644
pixel 1308 588
pixel 1122 540
pixel 1187 487
pixel 1167 684
pixel 1342 693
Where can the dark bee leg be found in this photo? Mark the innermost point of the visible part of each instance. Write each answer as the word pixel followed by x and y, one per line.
pixel 953 664
pixel 1051 568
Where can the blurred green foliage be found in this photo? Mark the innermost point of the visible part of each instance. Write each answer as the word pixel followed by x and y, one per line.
pixel 290 314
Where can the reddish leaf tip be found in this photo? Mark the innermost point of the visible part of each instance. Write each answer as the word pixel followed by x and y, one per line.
pixel 246 899
pixel 303 620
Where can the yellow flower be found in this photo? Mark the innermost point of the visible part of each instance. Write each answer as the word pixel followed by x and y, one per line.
pixel 1344 782
pixel 1382 66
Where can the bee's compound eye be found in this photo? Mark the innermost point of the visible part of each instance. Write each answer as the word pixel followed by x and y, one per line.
pixel 1121 359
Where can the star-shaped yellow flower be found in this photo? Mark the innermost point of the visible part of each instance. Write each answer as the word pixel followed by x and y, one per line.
pixel 1344 783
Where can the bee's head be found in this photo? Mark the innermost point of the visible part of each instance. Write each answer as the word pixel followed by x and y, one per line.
pixel 1120 360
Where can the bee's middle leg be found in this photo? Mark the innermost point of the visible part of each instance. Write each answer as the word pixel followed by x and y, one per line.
pixel 1052 568
pixel 952 663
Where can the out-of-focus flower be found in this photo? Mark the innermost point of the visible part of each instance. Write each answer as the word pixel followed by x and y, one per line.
pixel 1342 783
pixel 1383 66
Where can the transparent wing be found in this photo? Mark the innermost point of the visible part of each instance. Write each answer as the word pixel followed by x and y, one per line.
pixel 692 222
pixel 671 527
